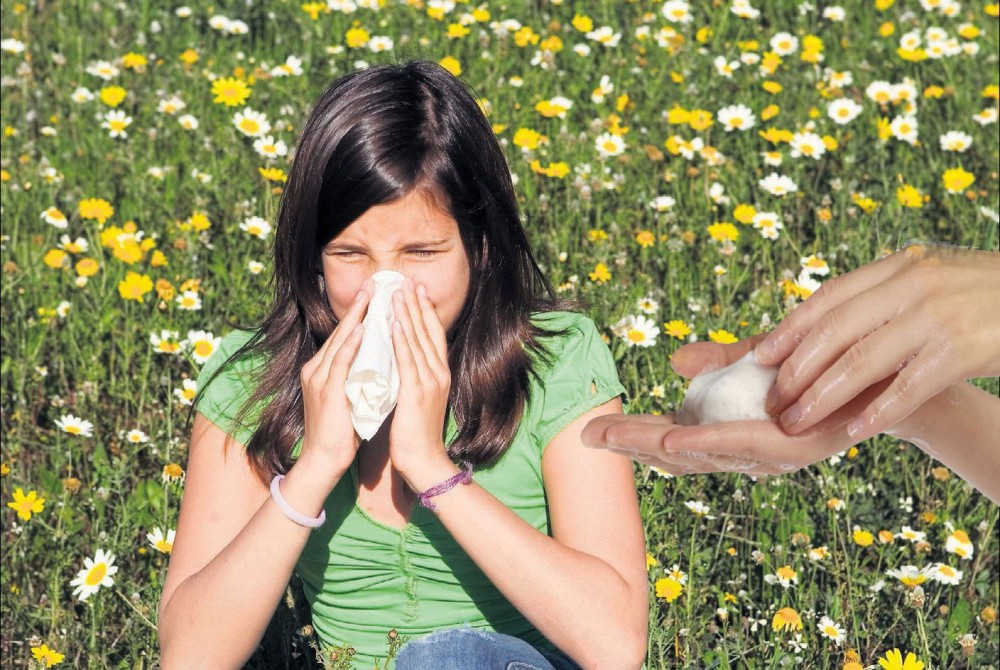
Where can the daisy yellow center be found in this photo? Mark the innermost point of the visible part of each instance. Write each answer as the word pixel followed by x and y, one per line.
pixel 203 348
pixel 187 302
pixel 117 125
pixel 636 336
pixel 73 430
pixel 679 13
pixel 164 546
pixel 736 123
pixel 254 230
pixel 96 574
pixel 172 470
pixel 914 581
pixel 249 125
pixel 903 128
pixel 610 146
pixel 169 347
pixel 830 631
pixel 189 394
pixel 881 97
pixel 946 571
pixel 843 112
pixel 807 149
pixel 786 573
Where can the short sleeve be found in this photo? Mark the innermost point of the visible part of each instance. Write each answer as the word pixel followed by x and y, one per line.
pixel 581 375
pixel 220 399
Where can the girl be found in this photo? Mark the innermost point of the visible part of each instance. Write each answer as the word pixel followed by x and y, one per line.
pixel 473 523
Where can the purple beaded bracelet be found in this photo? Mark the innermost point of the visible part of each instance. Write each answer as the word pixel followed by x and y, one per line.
pixel 463 477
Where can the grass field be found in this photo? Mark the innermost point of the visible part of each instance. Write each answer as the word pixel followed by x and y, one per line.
pixel 704 166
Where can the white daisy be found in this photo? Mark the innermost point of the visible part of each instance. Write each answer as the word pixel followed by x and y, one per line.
pixel 170 105
pixel 779 185
pixel 807 144
pixel 256 227
pixel 187 392
pixel 648 305
pixel 189 300
pixel 768 223
pixel 814 265
pixel 255 267
pixel 945 574
pixel 162 544
pixel 958 543
pixel 96 573
pixel 880 92
pixel 55 217
pixel 188 122
pixel 677 11
pixel 904 128
pixel 292 67
pixel 736 117
pixel 784 44
pixel 81 95
pixel 955 140
pixel 166 342
pixel 136 436
pixel 74 425
pixel 609 144
pixel 116 121
pixel 637 331
pixel 251 123
pixel 662 203
pixel 202 344
pixel 103 69
pixel 831 630
pixel 843 110
pixel 268 147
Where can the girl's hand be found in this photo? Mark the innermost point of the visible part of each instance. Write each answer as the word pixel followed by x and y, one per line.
pixel 330 441
pixel 923 318
pixel 416 444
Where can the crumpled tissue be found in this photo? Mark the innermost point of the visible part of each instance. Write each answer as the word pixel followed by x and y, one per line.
pixel 733 393
pixel 373 380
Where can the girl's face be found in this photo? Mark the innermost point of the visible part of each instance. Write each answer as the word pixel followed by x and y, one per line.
pixel 412 237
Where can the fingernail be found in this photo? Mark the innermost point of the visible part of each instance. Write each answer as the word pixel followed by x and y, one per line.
pixel 765 349
pixel 791 416
pixel 360 296
pixel 422 291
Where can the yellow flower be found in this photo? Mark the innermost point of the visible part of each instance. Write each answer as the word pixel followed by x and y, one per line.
pixel 173 473
pixel 909 196
pixel 96 208
pixel 112 96
pixel 677 328
pixel 583 24
pixel 668 588
pixel 357 37
pixel 47 656
pixel 135 287
pixel 26 505
pixel 230 91
pixel 862 538
pixel 56 258
pixel 769 112
pixel 893 660
pixel 724 231
pixel 786 619
pixel 596 235
pixel 189 57
pixel 558 170
pixel 700 119
pixel 992 91
pixel 651 561
pixel 451 64
pixel 887 29
pixel 882 5
pixel 744 213
pixel 645 239
pixel 771 87
pixel 199 222
pixel 313 9
pixel 134 61
pixel 273 174
pixel 722 336
pixel 770 62
pixel 457 31
pixel 956 180
pixel 87 267
pixel 600 274
pixel 528 139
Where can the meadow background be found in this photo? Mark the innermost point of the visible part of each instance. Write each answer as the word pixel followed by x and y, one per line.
pixel 136 212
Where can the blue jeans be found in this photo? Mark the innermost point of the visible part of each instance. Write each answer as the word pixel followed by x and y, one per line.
pixel 469 649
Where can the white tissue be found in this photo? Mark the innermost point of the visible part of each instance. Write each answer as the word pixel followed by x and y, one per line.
pixel 373 380
pixel 733 393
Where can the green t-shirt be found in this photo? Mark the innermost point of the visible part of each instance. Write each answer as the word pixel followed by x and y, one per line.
pixel 363 578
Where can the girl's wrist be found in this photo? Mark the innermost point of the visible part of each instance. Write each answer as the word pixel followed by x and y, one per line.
pixel 318 471
pixel 423 473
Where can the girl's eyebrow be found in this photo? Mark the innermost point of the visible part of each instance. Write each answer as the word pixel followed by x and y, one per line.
pixel 420 244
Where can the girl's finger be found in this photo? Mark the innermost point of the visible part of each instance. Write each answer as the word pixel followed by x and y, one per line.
pixel 916 383
pixel 836 332
pixel 405 320
pixel 408 373
pixel 435 329
pixel 874 358
pixel 797 325
pixel 340 364
pixel 354 315
pixel 420 332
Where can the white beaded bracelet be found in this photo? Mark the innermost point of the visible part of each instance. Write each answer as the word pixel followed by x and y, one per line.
pixel 286 509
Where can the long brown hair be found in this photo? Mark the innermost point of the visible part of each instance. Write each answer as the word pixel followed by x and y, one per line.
pixel 373 137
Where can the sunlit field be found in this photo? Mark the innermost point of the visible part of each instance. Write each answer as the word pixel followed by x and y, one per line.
pixel 690 171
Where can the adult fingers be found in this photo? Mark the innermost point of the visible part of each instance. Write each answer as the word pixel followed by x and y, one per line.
pixel 594 434
pixel 874 358
pixel 916 383
pixel 697 358
pixel 803 319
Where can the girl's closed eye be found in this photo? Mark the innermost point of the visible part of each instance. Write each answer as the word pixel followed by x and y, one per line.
pixel 424 253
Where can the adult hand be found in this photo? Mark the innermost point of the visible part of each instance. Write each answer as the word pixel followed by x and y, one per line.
pixel 751 447
pixel 924 318
pixel 329 437
pixel 416 445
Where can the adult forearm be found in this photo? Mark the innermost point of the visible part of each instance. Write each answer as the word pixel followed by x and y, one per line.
pixel 235 595
pixel 959 427
pixel 579 602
